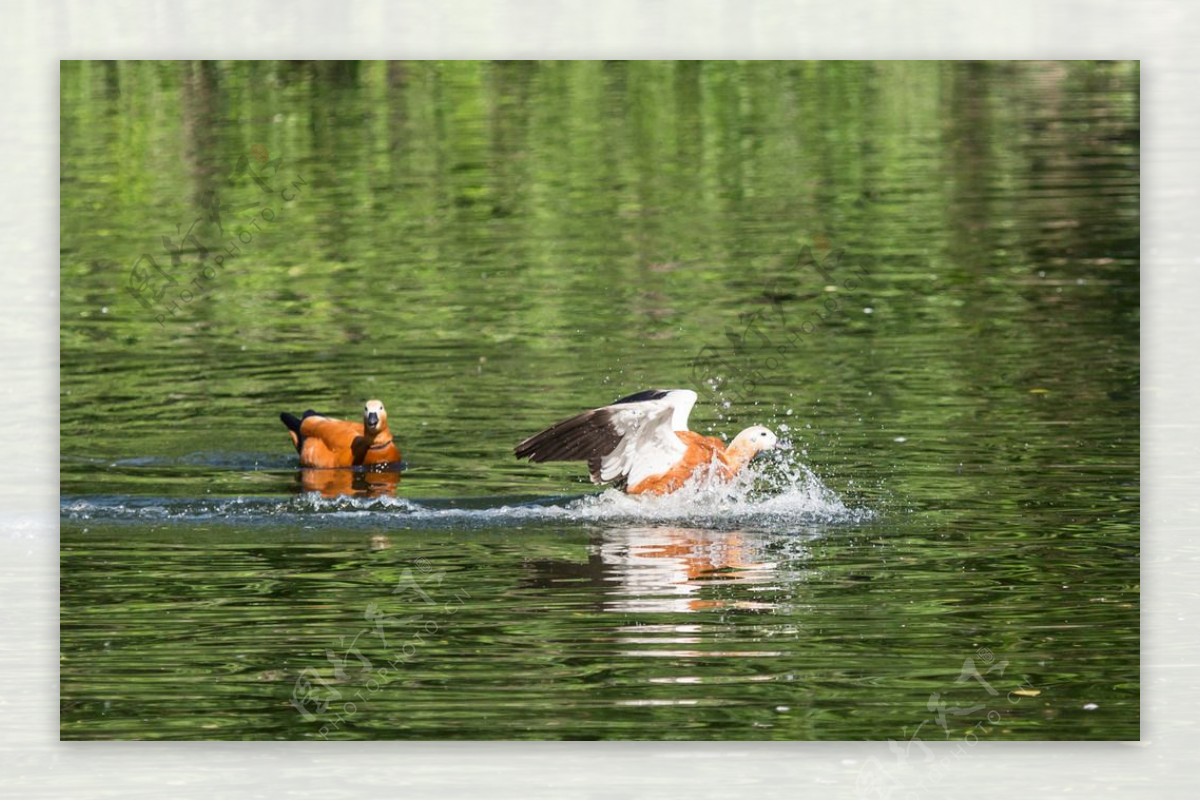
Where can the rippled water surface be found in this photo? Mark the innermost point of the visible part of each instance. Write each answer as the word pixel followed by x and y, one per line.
pixel 925 276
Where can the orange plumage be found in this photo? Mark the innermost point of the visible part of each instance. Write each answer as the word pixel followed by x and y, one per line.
pixel 702 452
pixel 641 443
pixel 327 442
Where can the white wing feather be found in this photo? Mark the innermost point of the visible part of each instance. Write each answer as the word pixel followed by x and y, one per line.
pixel 648 445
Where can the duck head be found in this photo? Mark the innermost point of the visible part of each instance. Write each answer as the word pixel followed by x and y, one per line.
pixel 374 417
pixel 754 440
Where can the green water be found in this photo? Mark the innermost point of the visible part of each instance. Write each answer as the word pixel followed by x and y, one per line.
pixel 924 275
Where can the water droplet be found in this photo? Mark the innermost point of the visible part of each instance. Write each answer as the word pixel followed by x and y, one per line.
pixel 1091 707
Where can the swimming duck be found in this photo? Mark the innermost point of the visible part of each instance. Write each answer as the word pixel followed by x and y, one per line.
pixel 325 442
pixel 641 443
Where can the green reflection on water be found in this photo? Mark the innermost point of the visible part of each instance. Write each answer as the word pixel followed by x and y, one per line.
pixel 927 272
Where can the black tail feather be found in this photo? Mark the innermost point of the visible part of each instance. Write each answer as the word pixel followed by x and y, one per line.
pixel 291 421
pixel 293 424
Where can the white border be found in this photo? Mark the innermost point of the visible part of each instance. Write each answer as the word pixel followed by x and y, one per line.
pixel 34 34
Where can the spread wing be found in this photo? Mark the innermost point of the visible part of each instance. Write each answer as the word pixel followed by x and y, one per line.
pixel 625 442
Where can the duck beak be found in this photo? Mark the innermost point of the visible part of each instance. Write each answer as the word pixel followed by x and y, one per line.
pixel 373 419
pixel 782 445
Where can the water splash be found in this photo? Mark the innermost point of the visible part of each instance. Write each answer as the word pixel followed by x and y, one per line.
pixel 768 494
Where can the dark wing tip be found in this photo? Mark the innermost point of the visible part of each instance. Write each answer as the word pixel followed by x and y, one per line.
pixel 579 438
pixel 525 447
pixel 644 395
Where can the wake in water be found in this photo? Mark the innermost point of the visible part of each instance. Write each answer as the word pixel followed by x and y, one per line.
pixel 772 495
pixel 222 460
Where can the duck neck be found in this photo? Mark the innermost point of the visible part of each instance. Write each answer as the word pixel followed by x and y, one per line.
pixel 737 456
pixel 380 438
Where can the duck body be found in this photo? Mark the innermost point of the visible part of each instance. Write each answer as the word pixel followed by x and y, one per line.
pixel 701 453
pixel 641 444
pixel 327 442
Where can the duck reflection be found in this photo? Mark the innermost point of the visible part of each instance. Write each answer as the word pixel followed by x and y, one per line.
pixel 668 569
pixel 354 483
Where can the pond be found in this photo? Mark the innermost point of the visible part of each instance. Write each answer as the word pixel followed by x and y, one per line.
pixel 924 275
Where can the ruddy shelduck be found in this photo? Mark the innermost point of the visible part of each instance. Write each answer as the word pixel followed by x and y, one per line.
pixel 641 443
pixel 325 442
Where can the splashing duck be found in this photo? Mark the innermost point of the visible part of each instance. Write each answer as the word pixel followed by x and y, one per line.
pixel 641 443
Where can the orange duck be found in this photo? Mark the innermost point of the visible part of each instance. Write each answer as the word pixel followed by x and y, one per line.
pixel 325 442
pixel 641 443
